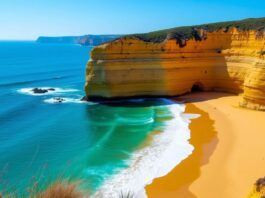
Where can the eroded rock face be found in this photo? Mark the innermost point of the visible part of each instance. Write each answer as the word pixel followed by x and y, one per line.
pixel 230 61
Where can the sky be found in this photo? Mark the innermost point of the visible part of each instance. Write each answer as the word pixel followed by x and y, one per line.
pixel 29 19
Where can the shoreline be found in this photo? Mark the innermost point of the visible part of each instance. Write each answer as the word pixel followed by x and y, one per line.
pixel 224 165
pixel 157 158
pixel 176 183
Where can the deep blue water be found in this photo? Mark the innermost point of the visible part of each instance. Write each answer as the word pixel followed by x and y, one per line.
pixel 42 142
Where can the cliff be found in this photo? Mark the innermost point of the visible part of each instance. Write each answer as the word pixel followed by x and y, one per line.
pixel 226 57
pixel 86 40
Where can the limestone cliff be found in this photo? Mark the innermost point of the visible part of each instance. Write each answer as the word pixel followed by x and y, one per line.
pixel 225 59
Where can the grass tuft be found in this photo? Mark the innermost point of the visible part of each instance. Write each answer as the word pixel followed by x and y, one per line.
pixel 60 190
pixel 56 190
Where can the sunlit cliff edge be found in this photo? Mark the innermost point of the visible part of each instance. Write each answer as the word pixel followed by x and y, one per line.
pixel 228 56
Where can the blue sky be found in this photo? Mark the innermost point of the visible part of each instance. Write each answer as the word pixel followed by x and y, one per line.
pixel 28 19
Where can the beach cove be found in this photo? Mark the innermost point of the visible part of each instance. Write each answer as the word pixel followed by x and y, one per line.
pixel 220 165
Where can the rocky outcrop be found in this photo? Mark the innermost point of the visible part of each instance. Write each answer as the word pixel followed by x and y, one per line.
pixel 230 60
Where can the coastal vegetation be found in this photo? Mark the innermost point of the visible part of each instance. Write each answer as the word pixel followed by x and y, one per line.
pixel 188 32
pixel 258 189
pixel 59 189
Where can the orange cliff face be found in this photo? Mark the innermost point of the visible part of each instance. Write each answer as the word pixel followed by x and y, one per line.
pixel 230 61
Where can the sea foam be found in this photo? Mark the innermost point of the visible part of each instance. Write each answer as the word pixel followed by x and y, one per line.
pixel 167 149
pixel 55 100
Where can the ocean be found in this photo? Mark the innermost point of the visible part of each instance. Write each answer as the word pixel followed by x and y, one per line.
pixel 106 147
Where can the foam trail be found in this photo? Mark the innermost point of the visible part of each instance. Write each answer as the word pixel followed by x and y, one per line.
pixel 66 100
pixel 167 149
pixel 29 91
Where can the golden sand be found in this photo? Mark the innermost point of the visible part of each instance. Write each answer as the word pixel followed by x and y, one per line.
pixel 229 153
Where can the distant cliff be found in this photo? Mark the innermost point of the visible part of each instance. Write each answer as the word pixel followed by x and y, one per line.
pixel 227 56
pixel 87 40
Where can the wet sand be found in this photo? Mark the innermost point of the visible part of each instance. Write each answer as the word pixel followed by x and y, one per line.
pixel 229 151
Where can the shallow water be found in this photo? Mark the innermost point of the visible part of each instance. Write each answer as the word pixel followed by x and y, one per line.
pixel 43 140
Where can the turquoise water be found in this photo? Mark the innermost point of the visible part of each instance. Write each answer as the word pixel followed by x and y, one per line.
pixel 41 141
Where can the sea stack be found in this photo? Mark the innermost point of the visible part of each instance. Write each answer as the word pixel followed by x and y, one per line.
pixel 227 56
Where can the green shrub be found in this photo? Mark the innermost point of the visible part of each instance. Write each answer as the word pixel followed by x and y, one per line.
pixel 187 32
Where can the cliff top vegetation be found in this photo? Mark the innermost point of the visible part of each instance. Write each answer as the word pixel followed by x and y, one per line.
pixel 188 32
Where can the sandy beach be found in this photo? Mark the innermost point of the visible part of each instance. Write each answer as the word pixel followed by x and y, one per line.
pixel 229 153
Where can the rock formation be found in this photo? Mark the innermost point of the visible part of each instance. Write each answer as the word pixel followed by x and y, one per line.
pixel 228 58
